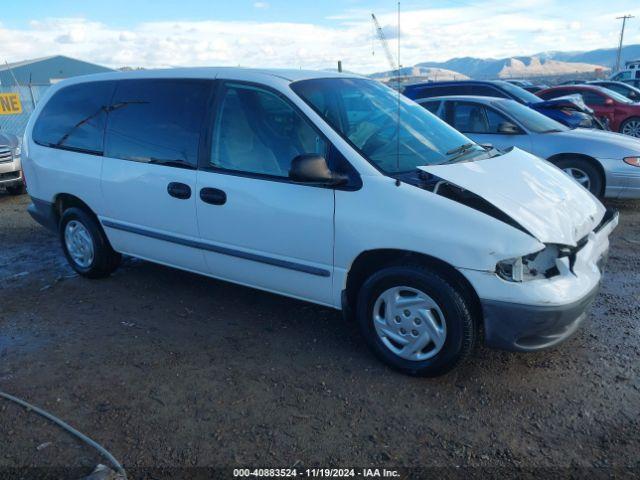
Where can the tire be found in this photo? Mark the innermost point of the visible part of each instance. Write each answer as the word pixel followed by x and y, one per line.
pixel 631 126
pixel 584 173
pixel 85 245
pixel 16 189
pixel 450 311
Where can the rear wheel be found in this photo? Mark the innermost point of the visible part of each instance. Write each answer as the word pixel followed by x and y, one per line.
pixel 415 320
pixel 85 245
pixel 631 127
pixel 583 172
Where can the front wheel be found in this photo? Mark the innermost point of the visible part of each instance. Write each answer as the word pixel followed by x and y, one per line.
pixel 631 127
pixel 583 172
pixel 85 245
pixel 415 320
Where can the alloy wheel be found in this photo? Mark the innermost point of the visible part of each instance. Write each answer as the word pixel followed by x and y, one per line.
pixel 579 176
pixel 632 127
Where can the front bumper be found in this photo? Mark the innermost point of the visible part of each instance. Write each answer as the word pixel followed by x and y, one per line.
pixel 538 314
pixel 10 172
pixel 9 179
pixel 525 328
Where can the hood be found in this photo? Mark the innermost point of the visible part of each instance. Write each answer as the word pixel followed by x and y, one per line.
pixel 574 102
pixel 601 143
pixel 540 197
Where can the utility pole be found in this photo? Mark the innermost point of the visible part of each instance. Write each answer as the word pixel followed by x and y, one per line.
pixel 624 22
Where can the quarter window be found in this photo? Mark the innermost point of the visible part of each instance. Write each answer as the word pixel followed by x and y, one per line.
pixel 74 118
pixel 257 131
pixel 157 121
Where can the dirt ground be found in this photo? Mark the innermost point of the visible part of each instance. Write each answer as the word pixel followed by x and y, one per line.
pixel 169 369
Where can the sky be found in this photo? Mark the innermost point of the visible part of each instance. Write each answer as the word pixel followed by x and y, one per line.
pixel 304 33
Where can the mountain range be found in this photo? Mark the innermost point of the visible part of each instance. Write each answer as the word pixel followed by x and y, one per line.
pixel 544 63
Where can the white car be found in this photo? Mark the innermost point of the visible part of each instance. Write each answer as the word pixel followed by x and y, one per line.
pixel 306 185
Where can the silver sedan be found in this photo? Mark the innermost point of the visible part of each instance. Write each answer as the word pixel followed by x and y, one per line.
pixel 605 163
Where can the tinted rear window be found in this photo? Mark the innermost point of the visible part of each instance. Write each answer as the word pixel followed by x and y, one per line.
pixel 74 117
pixel 441 91
pixel 486 91
pixel 157 121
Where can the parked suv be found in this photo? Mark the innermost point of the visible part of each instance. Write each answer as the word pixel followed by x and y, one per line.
pixel 10 166
pixel 305 184
pixel 568 111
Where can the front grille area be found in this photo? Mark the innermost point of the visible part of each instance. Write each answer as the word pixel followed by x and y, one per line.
pixel 5 155
pixel 9 176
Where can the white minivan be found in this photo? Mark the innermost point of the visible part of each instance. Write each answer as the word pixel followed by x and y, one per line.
pixel 324 187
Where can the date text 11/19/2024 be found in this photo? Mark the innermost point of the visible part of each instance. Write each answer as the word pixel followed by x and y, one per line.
pixel 315 473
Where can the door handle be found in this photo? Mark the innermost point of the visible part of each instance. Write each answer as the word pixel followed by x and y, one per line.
pixel 213 196
pixel 179 190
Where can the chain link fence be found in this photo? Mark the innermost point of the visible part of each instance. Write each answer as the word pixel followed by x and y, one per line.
pixel 29 97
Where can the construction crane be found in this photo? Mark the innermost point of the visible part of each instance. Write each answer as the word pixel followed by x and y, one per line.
pixel 383 41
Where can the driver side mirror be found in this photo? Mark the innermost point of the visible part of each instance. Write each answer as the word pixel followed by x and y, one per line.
pixel 312 169
pixel 508 128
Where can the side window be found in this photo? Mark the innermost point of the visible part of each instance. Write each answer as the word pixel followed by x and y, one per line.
pixel 494 120
pixel 258 131
pixel 157 121
pixel 74 118
pixel 592 98
pixel 432 106
pixel 470 118
pixel 557 93
pixel 617 88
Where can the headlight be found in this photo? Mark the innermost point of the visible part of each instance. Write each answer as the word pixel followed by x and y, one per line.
pixel 542 264
pixel 633 161
pixel 17 151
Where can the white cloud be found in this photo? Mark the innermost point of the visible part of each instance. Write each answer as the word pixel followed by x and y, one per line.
pixel 480 29
pixel 261 5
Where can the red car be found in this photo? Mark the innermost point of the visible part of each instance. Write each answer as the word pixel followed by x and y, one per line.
pixel 622 114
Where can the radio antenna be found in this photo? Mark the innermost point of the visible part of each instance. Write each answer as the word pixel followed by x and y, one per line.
pixel 398 94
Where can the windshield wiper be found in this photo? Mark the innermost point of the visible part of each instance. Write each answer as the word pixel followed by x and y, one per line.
pixel 460 149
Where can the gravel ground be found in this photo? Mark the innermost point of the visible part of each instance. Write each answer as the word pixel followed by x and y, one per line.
pixel 169 369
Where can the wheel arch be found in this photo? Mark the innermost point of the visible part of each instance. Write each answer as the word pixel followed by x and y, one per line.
pixel 370 261
pixel 581 156
pixel 63 201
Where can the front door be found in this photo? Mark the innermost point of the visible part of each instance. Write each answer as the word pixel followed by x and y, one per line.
pixel 149 171
pixel 259 228
pixel 482 124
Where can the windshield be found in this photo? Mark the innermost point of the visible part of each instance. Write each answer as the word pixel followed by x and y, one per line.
pixel 365 112
pixel 530 119
pixel 518 92
pixel 615 95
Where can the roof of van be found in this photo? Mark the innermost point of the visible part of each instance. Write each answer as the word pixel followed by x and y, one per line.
pixel 291 75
